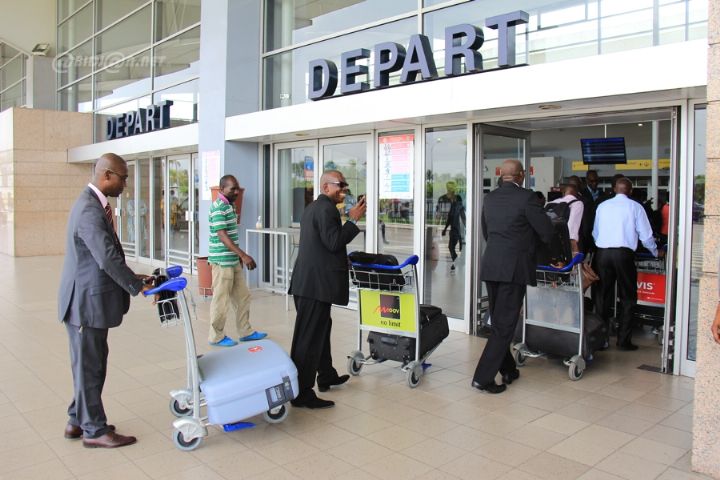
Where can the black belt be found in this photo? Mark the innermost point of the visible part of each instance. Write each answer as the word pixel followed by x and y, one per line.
pixel 618 248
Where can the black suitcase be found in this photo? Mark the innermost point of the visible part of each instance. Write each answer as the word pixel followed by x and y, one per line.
pixel 368 277
pixel 433 330
pixel 565 344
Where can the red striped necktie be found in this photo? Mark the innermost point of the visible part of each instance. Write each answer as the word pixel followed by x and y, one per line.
pixel 108 213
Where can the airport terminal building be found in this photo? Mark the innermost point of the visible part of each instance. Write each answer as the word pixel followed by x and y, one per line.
pixel 409 99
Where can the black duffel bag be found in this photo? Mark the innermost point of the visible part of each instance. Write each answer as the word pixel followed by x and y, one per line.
pixel 375 278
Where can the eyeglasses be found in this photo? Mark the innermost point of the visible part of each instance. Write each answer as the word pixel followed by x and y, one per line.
pixel 124 178
pixel 340 184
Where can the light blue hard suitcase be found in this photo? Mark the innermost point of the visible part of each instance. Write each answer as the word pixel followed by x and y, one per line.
pixel 246 380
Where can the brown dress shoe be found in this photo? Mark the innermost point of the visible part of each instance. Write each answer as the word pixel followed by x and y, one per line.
pixel 73 432
pixel 109 440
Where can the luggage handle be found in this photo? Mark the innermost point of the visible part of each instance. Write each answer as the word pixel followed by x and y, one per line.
pixel 392 341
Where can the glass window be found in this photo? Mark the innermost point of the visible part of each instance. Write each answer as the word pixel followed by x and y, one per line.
pixel 109 11
pixel 172 16
pixel 295 170
pixel 67 7
pixel 76 29
pixel 625 32
pixel 445 220
pixel 12 97
pixel 351 160
pixel 127 37
pixel 102 116
pixel 6 53
pixel 698 227
pixel 77 97
pixel 185 98
pixel 77 63
pixel 288 23
pixel 396 159
pixel 12 72
pixel 286 74
pixel 127 79
pixel 177 58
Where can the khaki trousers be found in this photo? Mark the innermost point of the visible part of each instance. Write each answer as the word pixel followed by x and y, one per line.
pixel 229 290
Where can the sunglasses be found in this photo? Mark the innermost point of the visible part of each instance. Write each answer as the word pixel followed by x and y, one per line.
pixel 340 184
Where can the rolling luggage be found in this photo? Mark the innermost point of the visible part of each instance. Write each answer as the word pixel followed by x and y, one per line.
pixel 565 344
pixel 246 380
pixel 433 330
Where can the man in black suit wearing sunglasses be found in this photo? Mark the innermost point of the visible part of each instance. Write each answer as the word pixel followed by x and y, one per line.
pixel 319 279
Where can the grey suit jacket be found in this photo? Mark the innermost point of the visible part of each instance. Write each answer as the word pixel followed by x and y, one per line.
pixel 96 284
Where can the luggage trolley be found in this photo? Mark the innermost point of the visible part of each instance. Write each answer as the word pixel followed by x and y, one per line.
pixel 554 319
pixel 650 308
pixel 233 384
pixel 388 303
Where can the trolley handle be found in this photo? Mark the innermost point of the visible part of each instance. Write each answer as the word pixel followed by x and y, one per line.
pixel 577 259
pixel 173 285
pixel 411 260
pixel 174 271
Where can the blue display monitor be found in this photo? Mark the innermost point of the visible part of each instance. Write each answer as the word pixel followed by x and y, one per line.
pixel 602 151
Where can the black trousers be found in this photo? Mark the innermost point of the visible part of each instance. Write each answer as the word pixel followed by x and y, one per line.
pixel 506 300
pixel 310 349
pixel 88 357
pixel 617 265
pixel 455 239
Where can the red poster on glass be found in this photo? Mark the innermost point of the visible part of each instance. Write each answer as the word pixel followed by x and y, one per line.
pixel 651 287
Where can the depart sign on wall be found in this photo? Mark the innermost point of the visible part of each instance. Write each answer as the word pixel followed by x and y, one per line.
pixel 461 42
pixel 142 120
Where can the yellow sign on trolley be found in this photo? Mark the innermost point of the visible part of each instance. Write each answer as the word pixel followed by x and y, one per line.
pixel 392 311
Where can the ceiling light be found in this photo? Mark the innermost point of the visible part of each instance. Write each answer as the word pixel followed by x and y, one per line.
pixel 640 124
pixel 302 134
pixel 549 106
pixel 41 49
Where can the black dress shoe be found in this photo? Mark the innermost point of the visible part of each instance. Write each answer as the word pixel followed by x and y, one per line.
pixel 324 387
pixel 628 347
pixel 491 387
pixel 507 378
pixel 73 432
pixel 313 403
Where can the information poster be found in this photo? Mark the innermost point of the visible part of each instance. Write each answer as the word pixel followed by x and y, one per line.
pixel 396 166
pixel 394 311
pixel 210 172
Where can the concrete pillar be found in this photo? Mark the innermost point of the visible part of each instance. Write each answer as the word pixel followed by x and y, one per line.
pixel 706 421
pixel 230 65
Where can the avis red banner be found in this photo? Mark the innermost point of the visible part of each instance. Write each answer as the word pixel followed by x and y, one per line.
pixel 651 287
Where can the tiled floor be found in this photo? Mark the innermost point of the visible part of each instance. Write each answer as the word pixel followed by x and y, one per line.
pixel 617 422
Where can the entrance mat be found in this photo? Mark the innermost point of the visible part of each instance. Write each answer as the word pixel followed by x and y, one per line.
pixel 649 368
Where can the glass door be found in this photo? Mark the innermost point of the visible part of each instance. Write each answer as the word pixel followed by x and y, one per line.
pixel 179 218
pixel 493 145
pixel 141 210
pixel 446 196
pixel 128 215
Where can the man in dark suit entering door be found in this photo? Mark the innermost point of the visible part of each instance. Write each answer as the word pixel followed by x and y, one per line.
pixel 95 290
pixel 319 279
pixel 511 219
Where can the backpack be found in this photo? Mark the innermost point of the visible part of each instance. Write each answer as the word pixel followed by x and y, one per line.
pixel 559 252
pixel 560 210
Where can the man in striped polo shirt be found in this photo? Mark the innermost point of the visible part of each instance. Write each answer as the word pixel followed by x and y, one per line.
pixel 228 280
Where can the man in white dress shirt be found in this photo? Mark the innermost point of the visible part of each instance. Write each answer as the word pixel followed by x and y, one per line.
pixel 570 196
pixel 619 223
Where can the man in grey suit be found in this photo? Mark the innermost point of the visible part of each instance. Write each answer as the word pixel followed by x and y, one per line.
pixel 95 290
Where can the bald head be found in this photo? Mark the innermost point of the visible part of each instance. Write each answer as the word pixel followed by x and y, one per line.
pixel 333 184
pixel 111 173
pixel 623 185
pixel 512 171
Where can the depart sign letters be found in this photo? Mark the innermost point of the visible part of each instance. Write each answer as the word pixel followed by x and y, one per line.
pixel 143 120
pixel 461 42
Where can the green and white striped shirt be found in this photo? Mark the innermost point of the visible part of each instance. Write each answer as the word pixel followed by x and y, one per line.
pixel 222 217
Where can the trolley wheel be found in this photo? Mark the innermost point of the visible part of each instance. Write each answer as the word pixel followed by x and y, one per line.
pixel 354 363
pixel 276 415
pixel 179 411
pixel 520 357
pixel 185 445
pixel 414 374
pixel 575 372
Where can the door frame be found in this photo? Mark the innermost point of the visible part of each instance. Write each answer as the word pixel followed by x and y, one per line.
pixel 476 241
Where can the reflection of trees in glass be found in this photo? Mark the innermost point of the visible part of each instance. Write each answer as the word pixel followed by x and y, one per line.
pixel 699 189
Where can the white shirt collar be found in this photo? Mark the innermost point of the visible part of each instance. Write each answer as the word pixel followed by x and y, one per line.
pixel 103 199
